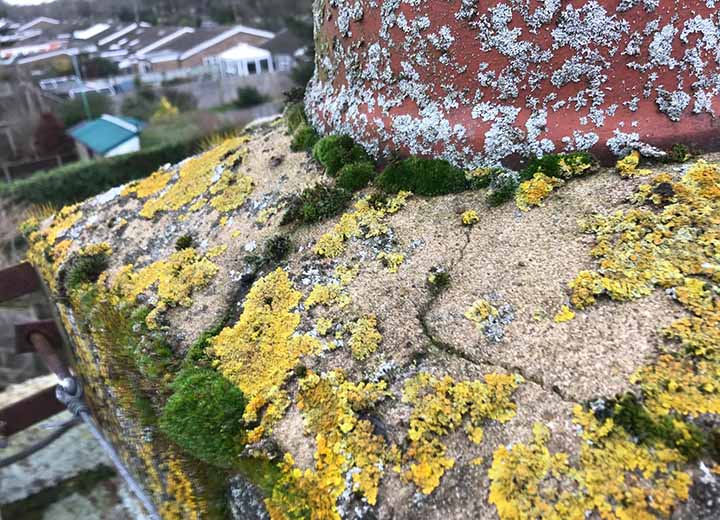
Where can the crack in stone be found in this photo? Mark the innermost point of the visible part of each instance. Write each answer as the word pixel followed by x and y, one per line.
pixel 422 316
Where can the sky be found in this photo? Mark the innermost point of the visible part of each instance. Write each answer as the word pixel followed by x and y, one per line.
pixel 27 2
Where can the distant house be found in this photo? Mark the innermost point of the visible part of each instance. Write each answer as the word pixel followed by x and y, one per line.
pixel 285 48
pixel 243 60
pixel 196 47
pixel 136 47
pixel 107 136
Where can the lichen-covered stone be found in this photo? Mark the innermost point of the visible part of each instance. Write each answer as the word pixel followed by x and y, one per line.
pixel 390 356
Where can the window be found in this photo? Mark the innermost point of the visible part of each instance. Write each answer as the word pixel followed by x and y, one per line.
pixel 252 68
pixel 264 66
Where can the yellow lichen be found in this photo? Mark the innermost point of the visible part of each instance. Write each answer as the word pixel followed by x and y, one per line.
pixel 174 279
pixel 392 261
pixel 564 315
pixel 364 337
pixel 574 165
pixel 329 294
pixel 479 176
pixel 197 176
pixel 230 192
pixel 441 406
pixel 265 215
pixel 149 185
pixel 365 221
pixel 345 444
pixel 45 252
pixel 469 218
pixel 628 166
pixel 534 191
pixel 614 477
pixel 480 311
pixel 618 475
pixel 261 350
pixel 347 273
pixel 323 326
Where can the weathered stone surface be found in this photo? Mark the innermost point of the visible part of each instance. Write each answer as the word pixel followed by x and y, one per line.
pixel 369 394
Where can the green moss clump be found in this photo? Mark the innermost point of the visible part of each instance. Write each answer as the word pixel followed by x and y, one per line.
pixel 678 153
pixel 354 177
pixel 428 177
pixel 502 188
pixel 84 269
pixel 183 242
pixel 335 151
pixel 204 416
pixel 438 280
pixel 630 414
pixel 317 203
pixel 294 116
pixel 304 138
pixel 276 249
pixel 562 165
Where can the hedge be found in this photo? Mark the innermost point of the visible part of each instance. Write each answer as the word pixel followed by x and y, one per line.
pixel 81 180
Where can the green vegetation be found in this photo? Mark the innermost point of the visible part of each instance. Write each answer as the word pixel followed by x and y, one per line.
pixel 335 151
pixel 83 269
pixel 249 97
pixel 317 203
pixel 678 153
pixel 294 116
pixel 204 416
pixel 81 180
pixel 197 353
pixel 438 280
pixel 503 186
pixel 629 413
pixel 276 249
pixel 72 111
pixel 183 242
pixel 354 177
pixel 304 138
pixel 141 105
pixel 562 165
pixel 428 177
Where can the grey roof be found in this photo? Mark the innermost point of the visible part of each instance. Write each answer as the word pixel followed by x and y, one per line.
pixel 285 42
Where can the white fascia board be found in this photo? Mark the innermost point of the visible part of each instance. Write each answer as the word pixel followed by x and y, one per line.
pixel 224 36
pixel 44 56
pixel 118 34
pixel 166 39
pixel 36 21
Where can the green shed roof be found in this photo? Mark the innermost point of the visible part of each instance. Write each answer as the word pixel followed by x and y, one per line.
pixel 103 134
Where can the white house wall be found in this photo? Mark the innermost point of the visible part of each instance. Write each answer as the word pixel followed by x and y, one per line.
pixel 129 146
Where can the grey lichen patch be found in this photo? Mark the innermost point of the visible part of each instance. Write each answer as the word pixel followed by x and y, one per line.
pixel 505 93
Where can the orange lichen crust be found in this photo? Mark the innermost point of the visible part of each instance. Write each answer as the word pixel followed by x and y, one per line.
pixel 364 337
pixel 534 191
pixel 674 246
pixel 148 186
pixel 210 177
pixel 441 406
pixel 615 477
pixel 174 279
pixel 366 221
pixel 346 444
pixel 46 251
pixel 260 351
pixel 628 166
